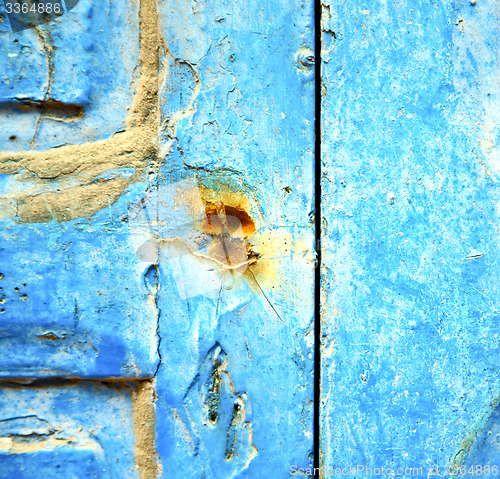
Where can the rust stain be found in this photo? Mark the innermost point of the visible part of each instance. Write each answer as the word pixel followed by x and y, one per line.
pixel 50 336
pixel 243 242
pixel 53 109
pixel 221 217
pixel 222 208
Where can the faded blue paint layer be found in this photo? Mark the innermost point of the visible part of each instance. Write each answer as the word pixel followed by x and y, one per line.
pixel 96 296
pixel 237 105
pixel 485 450
pixel 410 247
pixel 83 430
pixel 85 60
pixel 74 301
pixel 73 298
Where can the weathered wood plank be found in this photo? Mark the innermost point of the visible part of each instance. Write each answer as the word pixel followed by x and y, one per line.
pixel 235 387
pixel 410 242
pixel 73 299
pixel 172 239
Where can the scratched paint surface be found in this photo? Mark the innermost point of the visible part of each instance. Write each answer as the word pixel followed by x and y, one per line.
pixel 486 447
pixel 53 87
pixel 235 382
pixel 84 430
pixel 169 240
pixel 73 300
pixel 410 236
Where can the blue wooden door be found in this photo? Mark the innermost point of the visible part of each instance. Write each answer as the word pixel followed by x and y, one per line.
pixel 157 245
pixel 249 239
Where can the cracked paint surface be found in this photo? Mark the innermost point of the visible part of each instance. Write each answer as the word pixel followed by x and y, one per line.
pixel 76 304
pixel 483 447
pixel 53 89
pixel 216 425
pixel 239 114
pixel 84 430
pixel 410 276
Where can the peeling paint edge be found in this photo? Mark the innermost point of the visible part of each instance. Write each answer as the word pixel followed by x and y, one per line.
pixel 146 457
pixel 467 443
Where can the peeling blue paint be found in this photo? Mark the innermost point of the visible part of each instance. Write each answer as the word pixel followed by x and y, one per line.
pixel 86 58
pixel 83 430
pixel 232 366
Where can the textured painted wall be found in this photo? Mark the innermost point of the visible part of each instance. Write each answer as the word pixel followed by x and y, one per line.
pixel 156 248
pixel 156 182
pixel 410 234
pixel 82 430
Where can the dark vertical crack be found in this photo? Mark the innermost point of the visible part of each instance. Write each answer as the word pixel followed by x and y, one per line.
pixel 233 431
pixel 152 283
pixel 158 336
pixel 317 232
pixel 158 315
pixel 213 395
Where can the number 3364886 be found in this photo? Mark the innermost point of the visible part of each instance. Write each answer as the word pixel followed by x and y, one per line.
pixel 33 8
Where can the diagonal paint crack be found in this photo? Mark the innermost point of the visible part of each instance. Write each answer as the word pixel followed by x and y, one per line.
pixel 46 40
pixel 267 299
pixel 170 123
